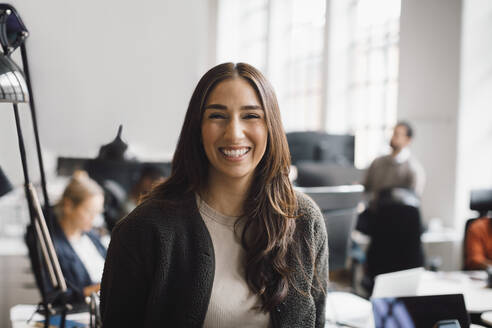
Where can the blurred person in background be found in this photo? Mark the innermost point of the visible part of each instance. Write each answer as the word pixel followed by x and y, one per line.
pixel 399 169
pixel 479 244
pixel 79 250
pixel 150 176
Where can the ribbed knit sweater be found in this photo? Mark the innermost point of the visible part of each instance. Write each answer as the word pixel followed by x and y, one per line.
pixel 160 268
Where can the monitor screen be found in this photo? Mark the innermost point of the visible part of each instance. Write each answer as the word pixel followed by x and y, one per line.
pixel 419 311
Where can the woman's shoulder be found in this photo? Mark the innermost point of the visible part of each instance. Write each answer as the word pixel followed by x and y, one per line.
pixel 307 208
pixel 155 214
pixel 309 215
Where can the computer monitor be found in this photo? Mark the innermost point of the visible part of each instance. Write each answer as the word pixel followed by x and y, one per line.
pixel 419 311
pixel 125 173
pixel 321 147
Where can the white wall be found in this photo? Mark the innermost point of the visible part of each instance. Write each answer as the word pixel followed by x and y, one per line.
pixel 475 117
pixel 96 64
pixel 446 91
pixel 429 92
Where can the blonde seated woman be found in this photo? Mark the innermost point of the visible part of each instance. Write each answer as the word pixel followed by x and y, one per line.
pixel 80 252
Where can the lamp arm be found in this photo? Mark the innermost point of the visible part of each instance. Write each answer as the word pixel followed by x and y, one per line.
pixel 44 237
pixel 27 75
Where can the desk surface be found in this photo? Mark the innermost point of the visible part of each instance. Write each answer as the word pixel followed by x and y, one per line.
pixel 478 298
pixel 353 310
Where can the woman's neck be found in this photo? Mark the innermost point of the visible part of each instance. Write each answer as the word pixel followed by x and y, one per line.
pixel 71 232
pixel 226 196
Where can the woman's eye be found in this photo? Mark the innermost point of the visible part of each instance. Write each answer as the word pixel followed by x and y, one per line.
pixel 216 116
pixel 252 116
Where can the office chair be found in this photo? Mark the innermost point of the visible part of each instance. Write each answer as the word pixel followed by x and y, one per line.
pixel 396 229
pixel 339 208
pixel 480 201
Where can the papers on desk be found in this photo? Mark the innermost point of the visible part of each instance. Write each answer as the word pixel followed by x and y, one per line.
pixel 348 309
pixel 399 283
pixel 20 315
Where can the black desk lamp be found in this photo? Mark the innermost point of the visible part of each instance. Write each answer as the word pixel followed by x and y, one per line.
pixel 15 88
pixel 16 85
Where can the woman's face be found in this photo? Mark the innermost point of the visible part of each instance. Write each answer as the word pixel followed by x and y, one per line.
pixel 82 215
pixel 234 131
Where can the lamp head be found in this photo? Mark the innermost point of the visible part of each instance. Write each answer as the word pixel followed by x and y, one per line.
pixel 13 87
pixel 13 32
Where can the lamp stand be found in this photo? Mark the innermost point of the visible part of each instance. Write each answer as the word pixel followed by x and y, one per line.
pixel 25 66
pixel 45 250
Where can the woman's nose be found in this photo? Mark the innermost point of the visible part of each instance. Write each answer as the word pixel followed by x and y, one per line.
pixel 234 129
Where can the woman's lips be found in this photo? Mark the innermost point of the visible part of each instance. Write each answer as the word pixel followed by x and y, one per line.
pixel 234 153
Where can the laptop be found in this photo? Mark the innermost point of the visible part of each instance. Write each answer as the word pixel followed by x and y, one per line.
pixel 419 311
pixel 398 283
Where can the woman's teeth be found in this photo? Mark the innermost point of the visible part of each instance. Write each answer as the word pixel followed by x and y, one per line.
pixel 235 152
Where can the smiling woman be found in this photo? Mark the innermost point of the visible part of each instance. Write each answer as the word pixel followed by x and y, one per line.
pixel 225 241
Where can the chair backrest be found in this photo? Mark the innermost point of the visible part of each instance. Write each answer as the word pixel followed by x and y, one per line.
pixel 395 239
pixel 481 201
pixel 339 208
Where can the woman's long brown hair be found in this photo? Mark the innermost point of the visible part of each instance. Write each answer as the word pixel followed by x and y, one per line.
pixel 270 207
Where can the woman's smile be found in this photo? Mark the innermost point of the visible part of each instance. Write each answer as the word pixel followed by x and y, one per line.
pixel 234 154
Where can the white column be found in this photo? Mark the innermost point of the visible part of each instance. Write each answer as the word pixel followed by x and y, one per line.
pixel 474 169
pixel 428 97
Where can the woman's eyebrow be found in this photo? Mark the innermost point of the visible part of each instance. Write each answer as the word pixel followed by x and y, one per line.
pixel 223 107
pixel 250 107
pixel 215 106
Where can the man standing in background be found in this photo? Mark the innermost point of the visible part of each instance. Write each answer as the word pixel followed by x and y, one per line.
pixel 396 170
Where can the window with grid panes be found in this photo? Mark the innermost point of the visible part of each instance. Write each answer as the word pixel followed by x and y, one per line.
pixel 284 39
pixel 372 75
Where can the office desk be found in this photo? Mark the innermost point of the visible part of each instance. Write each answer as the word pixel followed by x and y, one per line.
pixel 21 313
pixel 353 310
pixel 471 284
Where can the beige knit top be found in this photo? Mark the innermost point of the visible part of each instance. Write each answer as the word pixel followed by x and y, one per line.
pixel 232 304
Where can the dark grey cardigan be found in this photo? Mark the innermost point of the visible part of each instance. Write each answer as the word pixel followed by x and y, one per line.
pixel 160 267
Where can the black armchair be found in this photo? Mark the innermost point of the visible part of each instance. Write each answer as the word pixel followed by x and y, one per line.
pixel 395 230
